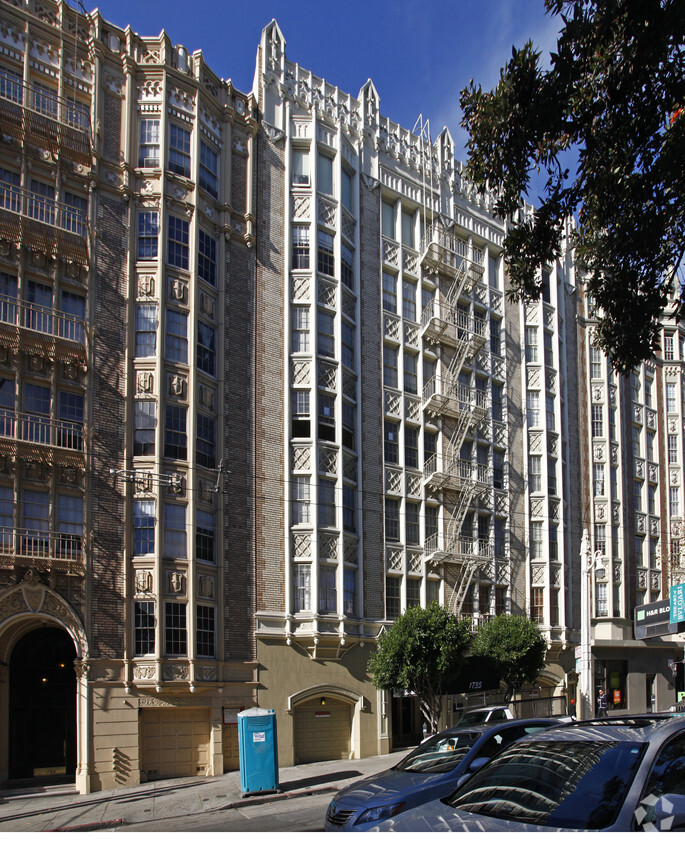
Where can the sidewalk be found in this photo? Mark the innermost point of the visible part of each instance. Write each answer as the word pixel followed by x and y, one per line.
pixel 59 807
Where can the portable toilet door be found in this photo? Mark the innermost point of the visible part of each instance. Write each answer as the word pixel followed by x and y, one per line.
pixel 258 750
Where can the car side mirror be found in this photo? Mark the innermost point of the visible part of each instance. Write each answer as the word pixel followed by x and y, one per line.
pixel 477 764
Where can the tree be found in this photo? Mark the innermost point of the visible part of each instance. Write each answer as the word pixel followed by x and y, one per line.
pixel 614 96
pixel 516 646
pixel 421 650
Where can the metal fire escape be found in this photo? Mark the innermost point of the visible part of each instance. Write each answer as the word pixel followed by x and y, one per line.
pixel 458 406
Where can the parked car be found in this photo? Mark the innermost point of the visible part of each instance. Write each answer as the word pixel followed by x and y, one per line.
pixel 617 774
pixel 431 770
pixel 485 715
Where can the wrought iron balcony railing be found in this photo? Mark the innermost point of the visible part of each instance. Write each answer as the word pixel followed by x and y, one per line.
pixel 35 428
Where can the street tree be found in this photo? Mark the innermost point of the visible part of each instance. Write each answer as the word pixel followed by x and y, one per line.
pixel 419 653
pixel 612 100
pixel 515 645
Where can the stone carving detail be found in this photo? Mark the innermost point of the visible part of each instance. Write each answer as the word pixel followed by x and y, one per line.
pixel 637 413
pixel 393 481
pixel 391 327
pixel 327 212
pixel 350 550
pixel 143 482
pixel 301 207
pixel 600 512
pixel 302 545
pixel 144 672
pixel 537 508
pixel 410 262
pixel 177 385
pixel 328 376
pixel 414 484
pixel 300 286
pixel 301 372
pixel 392 403
pixel 206 397
pixel 146 285
pixel 205 586
pixel 207 304
pixel 176 583
pixel 393 558
pixel 533 377
pixel 655 579
pixel 350 467
pixel 639 468
pixel 414 562
pixel 538 574
pixel 640 524
pixel 651 419
pixel 328 547
pixel 412 409
pixel 535 442
pixel 617 573
pixel 674 475
pixel 206 490
pixel 642 579
pixel 327 294
pixel 145 382
pixel 390 253
pixel 654 527
pixel 349 384
pixel 178 290
pixel 206 672
pixel 175 672
pixel 328 461
pixel 616 513
pixel 144 580
pixel 301 458
pixel 599 452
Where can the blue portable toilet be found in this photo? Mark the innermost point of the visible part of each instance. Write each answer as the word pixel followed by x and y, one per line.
pixel 258 750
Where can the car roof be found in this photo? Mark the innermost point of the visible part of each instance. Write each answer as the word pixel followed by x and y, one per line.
pixel 614 728
pixel 499 725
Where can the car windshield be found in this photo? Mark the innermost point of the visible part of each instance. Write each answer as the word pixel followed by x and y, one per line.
pixel 472 718
pixel 572 784
pixel 438 754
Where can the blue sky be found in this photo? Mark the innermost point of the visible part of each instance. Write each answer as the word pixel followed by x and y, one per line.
pixel 419 53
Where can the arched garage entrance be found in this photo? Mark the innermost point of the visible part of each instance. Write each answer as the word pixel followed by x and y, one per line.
pixel 42 705
pixel 323 729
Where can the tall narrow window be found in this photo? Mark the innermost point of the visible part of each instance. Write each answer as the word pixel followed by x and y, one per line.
pixel 349 592
pixel 205 442
pixel 595 362
pixel 390 378
pixel 75 213
pixel 411 382
pixel 177 241
pixel 175 436
pixel 69 524
pixel 409 300
pixel 300 255
pixel 205 536
pixel 301 588
pixel 328 602
pixel 531 345
pixel 148 146
pixel 206 635
pixel 206 258
pixel 536 546
pixel 672 448
pixel 413 592
pixel 393 604
pixel 300 329
pixel 209 170
pixel 348 341
pixel 327 503
pixel 206 348
pixel 72 319
pixel 179 150
pixel 144 627
pixel 349 508
pixel 535 466
pixel 300 408
pixel 143 527
pixel 300 173
pixel 389 292
pixel 175 544
pixel 411 447
pixel 408 229
pixel 347 266
pixel 388 220
pixel 598 476
pixel 148 233
pixel 391 451
pixel 70 423
pixel 537 610
pixel 549 412
pixel 300 501
pixel 144 424
pixel 324 174
pixel 325 342
pixel 6 517
pixel 346 189
pixel 533 409
pixel 411 519
pixel 392 520
pixel 177 336
pixel 670 398
pixel 326 258
pixel 175 631
pixel 597 420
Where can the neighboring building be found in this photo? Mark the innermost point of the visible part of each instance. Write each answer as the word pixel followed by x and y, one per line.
pixel 261 389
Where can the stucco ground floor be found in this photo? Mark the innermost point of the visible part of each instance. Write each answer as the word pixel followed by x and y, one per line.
pixel 108 723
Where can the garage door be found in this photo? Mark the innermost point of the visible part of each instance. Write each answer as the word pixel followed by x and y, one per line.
pixel 322 732
pixel 174 742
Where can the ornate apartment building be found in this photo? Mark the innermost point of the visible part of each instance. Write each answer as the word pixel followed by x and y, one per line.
pixel 261 389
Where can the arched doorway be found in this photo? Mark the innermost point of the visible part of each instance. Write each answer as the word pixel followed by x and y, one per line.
pixel 42 705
